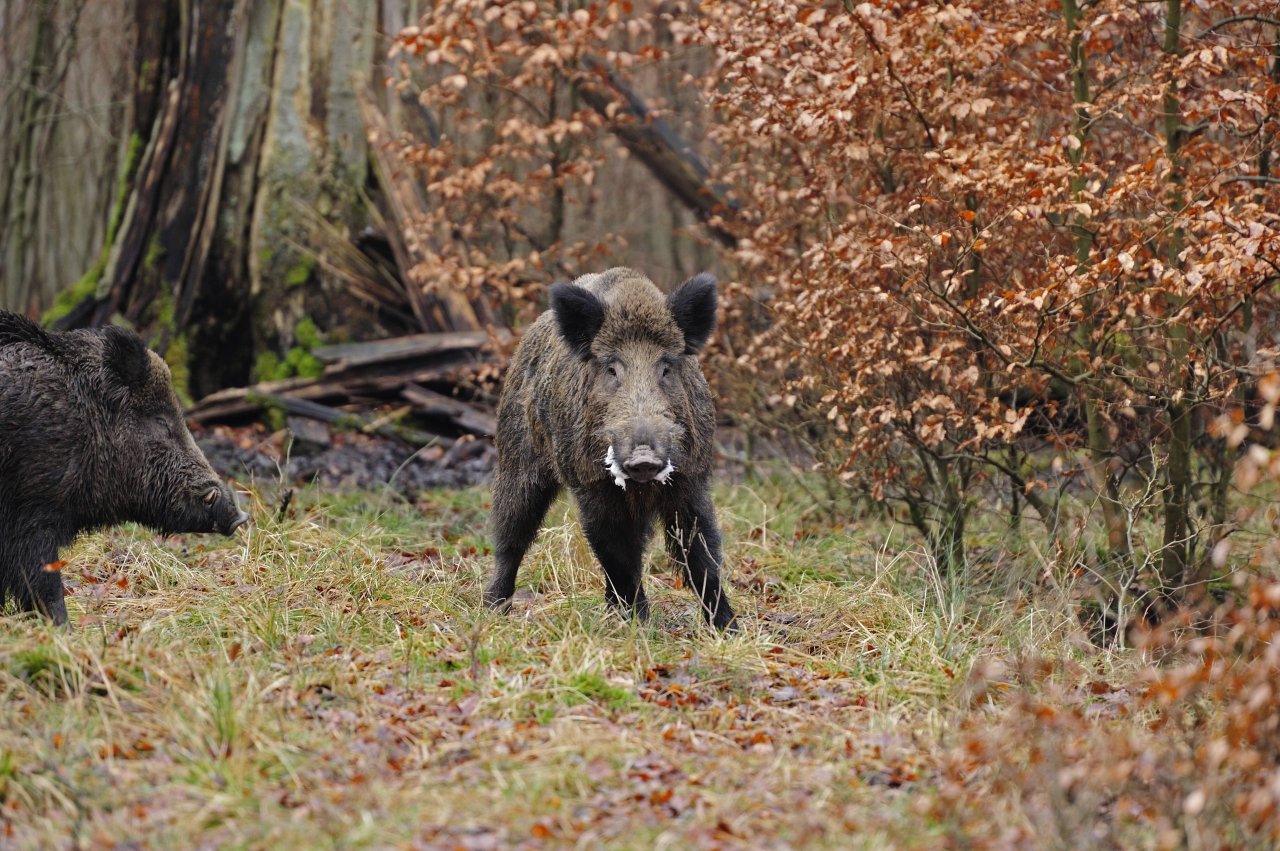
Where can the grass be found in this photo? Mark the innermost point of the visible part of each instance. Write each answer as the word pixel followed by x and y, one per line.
pixel 331 680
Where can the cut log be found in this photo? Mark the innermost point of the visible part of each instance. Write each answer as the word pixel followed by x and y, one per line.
pixel 466 417
pixel 399 348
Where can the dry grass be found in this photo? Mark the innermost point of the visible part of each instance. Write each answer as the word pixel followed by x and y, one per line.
pixel 330 679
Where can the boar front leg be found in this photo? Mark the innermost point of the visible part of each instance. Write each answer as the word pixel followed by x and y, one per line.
pixel 618 541
pixel 518 510
pixel 40 590
pixel 693 542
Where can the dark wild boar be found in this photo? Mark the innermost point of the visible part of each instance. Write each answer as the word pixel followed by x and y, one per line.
pixel 605 397
pixel 91 434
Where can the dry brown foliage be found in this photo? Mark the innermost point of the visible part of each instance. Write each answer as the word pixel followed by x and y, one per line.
pixel 992 222
pixel 1180 755
pixel 509 150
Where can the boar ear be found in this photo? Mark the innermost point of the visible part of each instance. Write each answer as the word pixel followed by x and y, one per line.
pixel 579 314
pixel 125 356
pixel 694 309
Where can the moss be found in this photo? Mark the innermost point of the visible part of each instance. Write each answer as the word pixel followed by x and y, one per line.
pixel 177 354
pixel 586 685
pixel 307 334
pixel 155 254
pixel 298 361
pixel 132 158
pixel 268 367
pixel 82 289
pixel 178 357
pixel 302 363
pixel 300 272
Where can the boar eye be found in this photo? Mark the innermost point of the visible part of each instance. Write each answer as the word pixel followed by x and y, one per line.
pixel 211 497
pixel 612 370
pixel 666 370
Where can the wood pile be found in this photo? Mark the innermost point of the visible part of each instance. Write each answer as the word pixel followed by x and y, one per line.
pixel 359 377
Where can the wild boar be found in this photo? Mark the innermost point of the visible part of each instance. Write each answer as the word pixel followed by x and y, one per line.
pixel 605 397
pixel 91 434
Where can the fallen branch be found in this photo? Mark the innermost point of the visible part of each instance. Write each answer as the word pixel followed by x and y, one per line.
pixel 379 368
pixel 347 420
pixel 400 348
pixel 461 415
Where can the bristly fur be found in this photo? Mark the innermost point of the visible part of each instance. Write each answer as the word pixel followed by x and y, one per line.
pixel 605 379
pixel 93 436
pixel 15 328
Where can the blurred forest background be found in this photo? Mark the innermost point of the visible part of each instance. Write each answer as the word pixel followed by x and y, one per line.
pixel 997 258
pixel 213 173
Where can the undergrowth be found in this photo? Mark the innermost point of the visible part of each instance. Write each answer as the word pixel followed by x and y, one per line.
pixel 330 679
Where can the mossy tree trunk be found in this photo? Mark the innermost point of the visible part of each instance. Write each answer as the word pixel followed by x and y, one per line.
pixel 245 142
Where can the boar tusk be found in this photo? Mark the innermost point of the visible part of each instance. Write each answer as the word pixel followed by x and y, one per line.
pixel 611 464
pixel 664 475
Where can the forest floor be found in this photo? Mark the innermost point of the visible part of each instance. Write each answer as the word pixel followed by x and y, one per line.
pixel 329 678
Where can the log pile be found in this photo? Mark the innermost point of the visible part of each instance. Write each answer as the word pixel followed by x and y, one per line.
pixel 359 377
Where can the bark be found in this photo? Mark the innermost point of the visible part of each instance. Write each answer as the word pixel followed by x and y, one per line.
pixel 1098 441
pixel 1174 562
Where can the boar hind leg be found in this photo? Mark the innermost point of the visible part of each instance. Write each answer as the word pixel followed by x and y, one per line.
pixel 517 515
pixel 693 542
pixel 618 543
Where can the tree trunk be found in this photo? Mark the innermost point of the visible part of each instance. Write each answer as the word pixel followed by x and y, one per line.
pixel 1101 453
pixel 1175 568
pixel 58 141
pixel 250 126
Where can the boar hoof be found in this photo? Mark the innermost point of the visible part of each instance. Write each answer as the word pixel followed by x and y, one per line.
pixel 497 602
pixel 729 626
pixel 56 611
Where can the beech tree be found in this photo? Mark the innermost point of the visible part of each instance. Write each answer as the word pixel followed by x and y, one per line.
pixel 1033 244
pixel 528 106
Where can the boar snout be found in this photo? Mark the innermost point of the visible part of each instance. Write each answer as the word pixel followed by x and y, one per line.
pixel 645 453
pixel 239 520
pixel 643 464
pixel 227 510
pixel 217 510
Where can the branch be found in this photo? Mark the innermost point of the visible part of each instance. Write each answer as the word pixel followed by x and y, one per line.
pixel 1250 178
pixel 1237 19
pixel 893 72
pixel 655 143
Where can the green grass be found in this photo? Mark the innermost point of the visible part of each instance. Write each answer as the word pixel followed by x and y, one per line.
pixel 330 679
